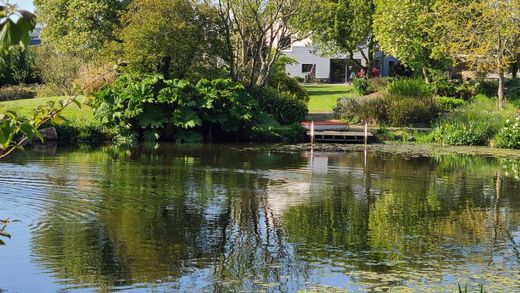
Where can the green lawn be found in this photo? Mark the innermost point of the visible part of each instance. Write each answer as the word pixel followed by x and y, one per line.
pixel 25 107
pixel 323 97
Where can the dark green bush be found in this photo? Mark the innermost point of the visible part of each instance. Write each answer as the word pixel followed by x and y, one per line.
pixel 361 86
pixel 285 84
pixel 513 89
pixel 448 104
pixel 17 92
pixel 488 87
pixel 357 110
pixel 268 129
pixel 18 66
pixel 456 89
pixel 283 107
pixel 151 107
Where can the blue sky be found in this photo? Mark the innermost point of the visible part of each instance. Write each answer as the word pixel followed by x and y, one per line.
pixel 23 4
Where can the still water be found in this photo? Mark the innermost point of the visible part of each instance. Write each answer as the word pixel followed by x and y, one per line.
pixel 231 218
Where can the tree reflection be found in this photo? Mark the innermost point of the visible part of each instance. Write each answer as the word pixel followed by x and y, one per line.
pixel 229 219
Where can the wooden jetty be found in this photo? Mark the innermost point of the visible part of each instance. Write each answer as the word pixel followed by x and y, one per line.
pixel 336 131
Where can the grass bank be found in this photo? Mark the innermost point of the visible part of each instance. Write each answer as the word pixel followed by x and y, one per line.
pixel 72 112
pixel 323 97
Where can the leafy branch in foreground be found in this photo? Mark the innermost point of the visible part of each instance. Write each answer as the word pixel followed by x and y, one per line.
pixel 13 126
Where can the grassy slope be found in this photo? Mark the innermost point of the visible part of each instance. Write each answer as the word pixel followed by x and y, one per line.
pixel 323 97
pixel 25 107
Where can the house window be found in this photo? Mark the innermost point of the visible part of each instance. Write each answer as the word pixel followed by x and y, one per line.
pixel 306 68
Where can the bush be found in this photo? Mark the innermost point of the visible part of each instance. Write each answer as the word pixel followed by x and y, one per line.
pixel 18 66
pixel 456 89
pixel 17 92
pixel 357 110
pixel 509 136
pixel 513 89
pixel 58 71
pixel 488 87
pixel 268 129
pixel 361 86
pixel 448 104
pixel 283 107
pixel 409 88
pixel 288 86
pixel 409 111
pixel 475 123
pixel 471 133
pixel 151 107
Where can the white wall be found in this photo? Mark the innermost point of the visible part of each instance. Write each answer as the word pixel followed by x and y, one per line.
pixel 304 53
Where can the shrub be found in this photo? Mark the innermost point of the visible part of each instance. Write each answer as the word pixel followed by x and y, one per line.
pixel 18 66
pixel 488 87
pixel 288 86
pixel 361 86
pixel 471 133
pixel 474 123
pixel 148 106
pixel 456 89
pixel 283 107
pixel 409 111
pixel 509 136
pixel 409 88
pixel 17 92
pixel 513 89
pixel 356 110
pixel 268 129
pixel 58 71
pixel 448 104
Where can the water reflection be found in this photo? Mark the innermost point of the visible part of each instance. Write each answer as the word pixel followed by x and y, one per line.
pixel 229 218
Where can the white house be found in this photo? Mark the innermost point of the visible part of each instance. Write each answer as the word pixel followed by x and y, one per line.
pixel 333 69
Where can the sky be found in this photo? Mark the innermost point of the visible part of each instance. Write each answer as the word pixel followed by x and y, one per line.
pixel 23 4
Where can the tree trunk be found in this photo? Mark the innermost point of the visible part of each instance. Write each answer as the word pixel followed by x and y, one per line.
pixel 501 99
pixel 426 75
pixel 370 58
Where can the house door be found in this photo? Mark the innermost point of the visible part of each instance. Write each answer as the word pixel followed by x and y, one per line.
pixel 338 70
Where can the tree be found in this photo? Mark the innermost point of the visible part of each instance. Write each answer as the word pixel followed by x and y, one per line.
pixel 78 27
pixel 401 28
pixel 172 37
pixel 344 27
pixel 484 35
pixel 257 32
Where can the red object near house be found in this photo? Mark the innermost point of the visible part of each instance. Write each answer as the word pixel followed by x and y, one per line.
pixel 375 73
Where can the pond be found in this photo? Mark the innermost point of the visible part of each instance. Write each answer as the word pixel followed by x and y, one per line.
pixel 229 218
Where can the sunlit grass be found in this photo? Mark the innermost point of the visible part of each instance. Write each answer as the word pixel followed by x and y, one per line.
pixel 323 97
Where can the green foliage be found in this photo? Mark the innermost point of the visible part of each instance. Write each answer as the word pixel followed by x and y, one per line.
pixel 475 123
pixel 362 86
pixel 58 71
pixel 285 84
pixel 283 107
pixel 18 66
pixel 509 136
pixel 409 88
pixel 15 26
pixel 178 39
pixel 17 92
pixel 448 104
pixel 268 129
pixel 78 27
pixel 150 105
pixel 456 88
pixel 357 110
pixel 410 111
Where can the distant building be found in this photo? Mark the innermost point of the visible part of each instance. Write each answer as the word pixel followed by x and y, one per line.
pixel 333 69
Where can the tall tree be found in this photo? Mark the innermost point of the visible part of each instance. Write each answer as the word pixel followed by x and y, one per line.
pixel 77 26
pixel 257 32
pixel 401 28
pixel 345 27
pixel 171 37
pixel 483 34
